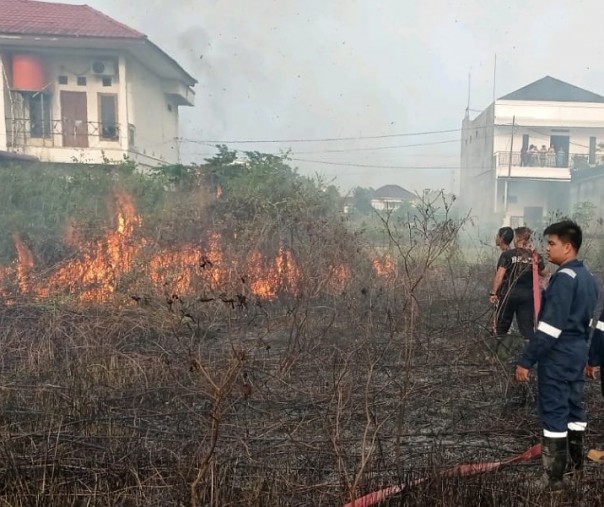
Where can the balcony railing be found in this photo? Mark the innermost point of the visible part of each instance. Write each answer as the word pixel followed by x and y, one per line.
pixel 537 159
pixel 58 133
pixel 545 166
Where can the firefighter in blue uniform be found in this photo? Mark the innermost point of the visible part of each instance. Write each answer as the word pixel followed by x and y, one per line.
pixel 594 363
pixel 596 351
pixel 560 349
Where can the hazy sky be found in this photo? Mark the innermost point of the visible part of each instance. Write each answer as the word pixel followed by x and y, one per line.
pixel 293 69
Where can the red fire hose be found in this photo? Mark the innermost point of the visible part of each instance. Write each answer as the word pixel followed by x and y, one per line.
pixel 457 470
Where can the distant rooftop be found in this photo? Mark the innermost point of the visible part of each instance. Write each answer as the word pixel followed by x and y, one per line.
pixel 392 192
pixel 550 89
pixel 28 17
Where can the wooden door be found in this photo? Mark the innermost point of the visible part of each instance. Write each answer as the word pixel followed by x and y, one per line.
pixel 74 115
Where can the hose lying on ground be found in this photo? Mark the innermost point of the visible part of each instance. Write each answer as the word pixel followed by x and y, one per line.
pixel 457 470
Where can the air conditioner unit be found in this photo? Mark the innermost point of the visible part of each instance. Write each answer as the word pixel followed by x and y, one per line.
pixel 103 68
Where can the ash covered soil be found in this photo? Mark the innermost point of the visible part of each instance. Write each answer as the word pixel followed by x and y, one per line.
pixel 289 402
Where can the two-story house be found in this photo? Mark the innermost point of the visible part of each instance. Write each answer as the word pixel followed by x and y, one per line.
pixel 518 154
pixel 76 85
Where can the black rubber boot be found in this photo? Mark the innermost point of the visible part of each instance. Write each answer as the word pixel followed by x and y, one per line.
pixel 575 453
pixel 553 454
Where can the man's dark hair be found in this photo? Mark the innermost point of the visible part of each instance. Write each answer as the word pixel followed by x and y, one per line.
pixel 506 234
pixel 568 231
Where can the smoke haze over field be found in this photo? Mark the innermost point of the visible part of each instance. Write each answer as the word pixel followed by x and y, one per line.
pixel 285 69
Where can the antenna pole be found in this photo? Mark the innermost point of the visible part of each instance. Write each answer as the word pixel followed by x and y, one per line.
pixel 495 77
pixel 469 90
pixel 505 189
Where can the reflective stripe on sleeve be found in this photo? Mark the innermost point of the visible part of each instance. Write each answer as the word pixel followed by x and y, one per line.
pixel 577 426
pixel 552 331
pixel 555 434
pixel 600 325
pixel 569 272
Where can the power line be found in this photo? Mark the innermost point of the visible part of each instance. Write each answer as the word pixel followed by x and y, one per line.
pixel 375 166
pixel 156 159
pixel 378 148
pixel 315 140
pixel 372 166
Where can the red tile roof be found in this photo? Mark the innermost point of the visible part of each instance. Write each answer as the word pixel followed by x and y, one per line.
pixel 29 17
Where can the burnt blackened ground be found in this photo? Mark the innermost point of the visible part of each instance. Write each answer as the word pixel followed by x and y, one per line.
pixel 289 403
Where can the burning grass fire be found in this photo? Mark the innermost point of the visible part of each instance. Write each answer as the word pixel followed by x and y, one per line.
pixel 367 377
pixel 102 268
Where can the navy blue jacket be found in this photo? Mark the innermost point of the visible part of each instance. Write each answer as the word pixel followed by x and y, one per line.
pixel 566 310
pixel 597 344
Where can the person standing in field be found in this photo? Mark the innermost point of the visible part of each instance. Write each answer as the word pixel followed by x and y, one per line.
pixel 512 287
pixel 594 363
pixel 559 348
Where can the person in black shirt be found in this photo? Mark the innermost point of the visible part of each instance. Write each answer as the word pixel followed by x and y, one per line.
pixel 512 288
pixel 503 241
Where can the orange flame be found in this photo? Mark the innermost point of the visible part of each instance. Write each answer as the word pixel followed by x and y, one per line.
pixel 384 266
pixel 264 280
pixel 102 263
pixel 98 270
pixel 172 270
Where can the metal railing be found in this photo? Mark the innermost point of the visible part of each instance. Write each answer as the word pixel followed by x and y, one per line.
pixel 538 159
pixel 58 133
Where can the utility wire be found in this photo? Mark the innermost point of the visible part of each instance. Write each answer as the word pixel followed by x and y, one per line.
pixel 323 139
pixel 372 166
pixel 378 148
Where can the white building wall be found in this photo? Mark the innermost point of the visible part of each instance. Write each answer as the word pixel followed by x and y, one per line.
pixel 386 204
pixel 551 196
pixel 477 173
pixel 124 110
pixel 546 114
pixel 156 126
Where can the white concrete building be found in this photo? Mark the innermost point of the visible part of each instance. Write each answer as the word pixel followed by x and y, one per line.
pixel 78 86
pixel 502 180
